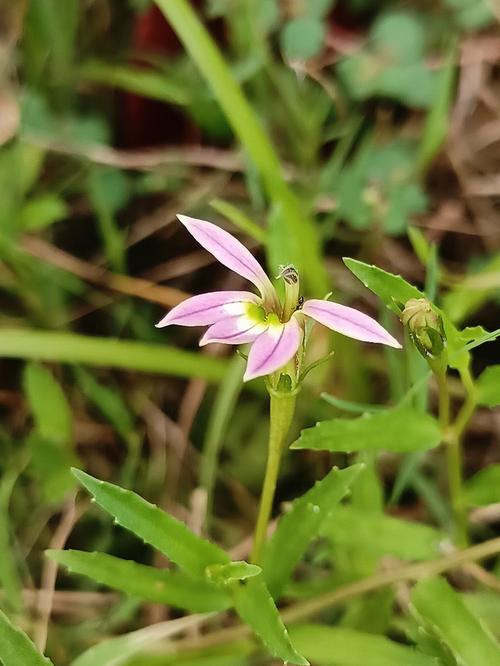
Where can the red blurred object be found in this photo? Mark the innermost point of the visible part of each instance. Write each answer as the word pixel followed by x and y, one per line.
pixel 144 122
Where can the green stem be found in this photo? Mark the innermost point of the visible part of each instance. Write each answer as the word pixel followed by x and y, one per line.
pixel 282 408
pixel 453 463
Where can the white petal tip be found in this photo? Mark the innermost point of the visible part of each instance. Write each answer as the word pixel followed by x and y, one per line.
pixel 184 219
pixel 394 343
pixel 163 322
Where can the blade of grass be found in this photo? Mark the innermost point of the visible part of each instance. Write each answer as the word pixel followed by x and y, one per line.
pixel 208 59
pixel 239 219
pixel 108 352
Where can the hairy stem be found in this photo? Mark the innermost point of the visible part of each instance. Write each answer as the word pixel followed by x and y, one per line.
pixel 282 407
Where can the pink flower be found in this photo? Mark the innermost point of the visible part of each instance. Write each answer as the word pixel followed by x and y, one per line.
pixel 275 330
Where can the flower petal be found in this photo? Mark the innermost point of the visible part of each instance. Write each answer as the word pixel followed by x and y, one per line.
pixel 234 331
pixel 230 252
pixel 348 321
pixel 273 348
pixel 206 309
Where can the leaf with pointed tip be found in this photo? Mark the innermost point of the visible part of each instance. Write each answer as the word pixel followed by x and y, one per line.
pixel 164 586
pixel 391 289
pixel 301 524
pixel 16 648
pixel 154 526
pixel 443 609
pixel 401 429
pixel 256 607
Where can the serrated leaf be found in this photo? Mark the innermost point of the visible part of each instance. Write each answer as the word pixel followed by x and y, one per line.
pixel 442 608
pixel 163 586
pixel 256 607
pixel 165 533
pixel 301 524
pixel 488 386
pixel 223 574
pixel 16 649
pixel 347 647
pixel 484 487
pixel 399 430
pixel 391 289
pixel 381 534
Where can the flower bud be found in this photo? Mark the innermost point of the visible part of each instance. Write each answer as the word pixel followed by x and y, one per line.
pixel 425 327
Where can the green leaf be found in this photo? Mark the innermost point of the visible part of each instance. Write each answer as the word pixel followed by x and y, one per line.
pixel 256 608
pixel 400 430
pixel 400 35
pixel 484 487
pixel 347 647
pixel 301 524
pixel 163 586
pixel 391 289
pixel 381 534
pixel 303 38
pixel 51 411
pixel 42 211
pixel 222 574
pixel 108 401
pixel 154 526
pixel 52 453
pixel 109 353
pixel 144 82
pixel 108 191
pixel 442 608
pixel 16 649
pixel 488 386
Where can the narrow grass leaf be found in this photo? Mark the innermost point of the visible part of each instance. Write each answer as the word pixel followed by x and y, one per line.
pixel 399 430
pixel 137 80
pixel 444 610
pixel 256 607
pixel 239 219
pixel 154 526
pixel 163 586
pixel 109 353
pixel 347 647
pixel 16 649
pixel 301 524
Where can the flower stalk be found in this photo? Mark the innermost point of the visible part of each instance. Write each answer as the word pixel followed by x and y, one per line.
pixel 281 411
